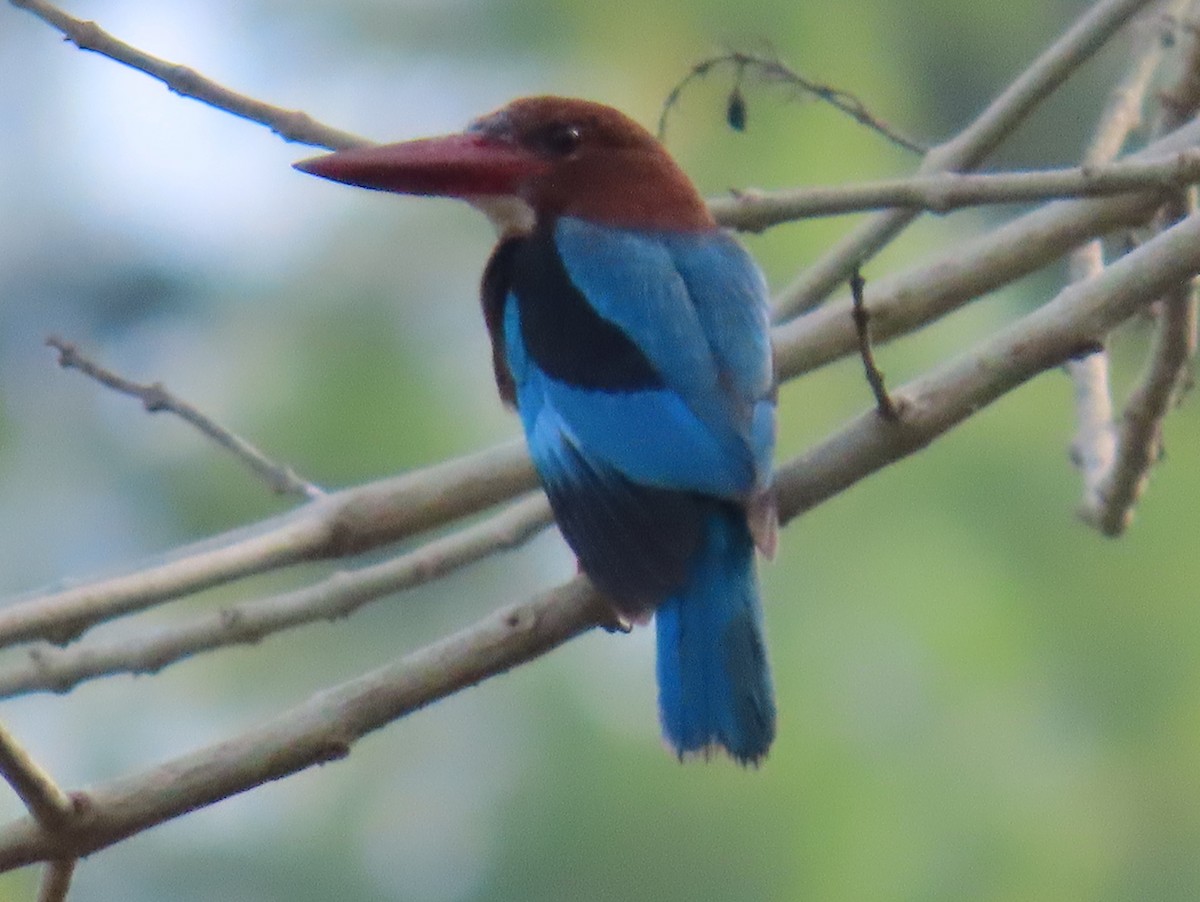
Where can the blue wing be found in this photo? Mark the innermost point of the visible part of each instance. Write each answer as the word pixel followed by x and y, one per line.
pixel 694 304
pixel 642 374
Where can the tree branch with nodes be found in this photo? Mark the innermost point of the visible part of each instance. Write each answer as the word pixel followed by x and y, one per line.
pixel 1115 460
pixel 495 489
pixel 49 807
pixel 155 398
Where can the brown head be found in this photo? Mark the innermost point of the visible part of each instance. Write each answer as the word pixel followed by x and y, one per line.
pixel 537 158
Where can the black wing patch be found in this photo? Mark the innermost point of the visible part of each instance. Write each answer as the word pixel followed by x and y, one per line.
pixel 635 542
pixel 568 340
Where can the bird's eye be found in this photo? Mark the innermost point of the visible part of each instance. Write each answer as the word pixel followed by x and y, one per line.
pixel 562 139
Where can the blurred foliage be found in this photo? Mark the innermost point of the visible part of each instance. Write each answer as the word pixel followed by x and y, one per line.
pixel 979 697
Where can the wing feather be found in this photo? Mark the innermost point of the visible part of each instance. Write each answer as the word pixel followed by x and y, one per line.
pixel 695 305
pixel 634 444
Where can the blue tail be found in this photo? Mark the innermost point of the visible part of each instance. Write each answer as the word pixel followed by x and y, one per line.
pixel 714 687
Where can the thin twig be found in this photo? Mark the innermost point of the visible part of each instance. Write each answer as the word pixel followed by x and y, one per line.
pixel 52 808
pixel 337 525
pixel 54 669
pixel 1112 491
pixel 325 727
pixel 862 326
pixel 934 403
pixel 156 399
pixel 1099 450
pixel 56 880
pixel 1094 446
pixel 1139 441
pixel 965 151
pixel 771 69
pixel 750 210
pixel 903 302
pixel 291 125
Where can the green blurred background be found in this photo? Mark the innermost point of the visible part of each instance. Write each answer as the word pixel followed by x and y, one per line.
pixel 979 697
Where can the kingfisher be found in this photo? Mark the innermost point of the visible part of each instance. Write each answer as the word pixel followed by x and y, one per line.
pixel 631 334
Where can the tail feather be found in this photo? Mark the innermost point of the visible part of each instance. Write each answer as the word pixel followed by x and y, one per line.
pixel 713 680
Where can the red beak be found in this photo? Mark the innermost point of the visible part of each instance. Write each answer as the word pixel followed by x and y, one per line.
pixel 463 165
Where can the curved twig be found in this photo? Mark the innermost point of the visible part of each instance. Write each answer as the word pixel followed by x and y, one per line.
pixel 291 125
pixel 771 69
pixel 155 398
pixel 964 151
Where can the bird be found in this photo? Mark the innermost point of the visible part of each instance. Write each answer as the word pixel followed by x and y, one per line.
pixel 631 334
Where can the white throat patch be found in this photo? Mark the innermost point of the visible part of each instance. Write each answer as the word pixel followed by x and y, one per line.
pixel 508 214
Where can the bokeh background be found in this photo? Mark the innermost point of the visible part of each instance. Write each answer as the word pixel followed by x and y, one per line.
pixel 979 697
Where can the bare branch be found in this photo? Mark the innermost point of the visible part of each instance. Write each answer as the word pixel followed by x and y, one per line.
pixel 906 301
pixel 56 880
pixel 50 668
pixel 934 403
pixel 320 730
pixel 337 525
pixel 355 520
pixel 1116 465
pixel 155 398
pixel 1094 446
pixel 325 727
pixel 291 125
pixel 1140 440
pixel 965 151
pixel 52 808
pixel 751 210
